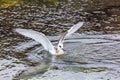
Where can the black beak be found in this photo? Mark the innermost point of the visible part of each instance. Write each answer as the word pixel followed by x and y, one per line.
pixel 63 49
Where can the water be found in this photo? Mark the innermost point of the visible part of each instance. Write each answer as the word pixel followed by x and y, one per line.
pixel 95 50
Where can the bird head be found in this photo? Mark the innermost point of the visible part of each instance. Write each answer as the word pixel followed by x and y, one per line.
pixel 59 49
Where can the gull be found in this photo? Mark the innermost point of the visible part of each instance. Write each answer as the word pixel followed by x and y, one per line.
pixel 45 42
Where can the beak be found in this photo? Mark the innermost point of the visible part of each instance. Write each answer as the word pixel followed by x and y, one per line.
pixel 63 49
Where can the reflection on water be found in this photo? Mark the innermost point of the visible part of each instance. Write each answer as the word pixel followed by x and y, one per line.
pixel 95 52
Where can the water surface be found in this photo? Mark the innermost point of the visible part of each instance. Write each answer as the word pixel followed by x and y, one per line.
pixel 96 50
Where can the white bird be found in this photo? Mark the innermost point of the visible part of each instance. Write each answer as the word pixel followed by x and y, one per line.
pixel 41 38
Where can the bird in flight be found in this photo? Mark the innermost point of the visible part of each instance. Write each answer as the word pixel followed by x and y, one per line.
pixel 45 42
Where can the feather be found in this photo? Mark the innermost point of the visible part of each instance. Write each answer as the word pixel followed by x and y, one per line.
pixel 70 31
pixel 37 36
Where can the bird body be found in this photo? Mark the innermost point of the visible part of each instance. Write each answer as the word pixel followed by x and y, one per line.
pixel 45 42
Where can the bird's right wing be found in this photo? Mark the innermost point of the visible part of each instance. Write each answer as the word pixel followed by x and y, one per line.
pixel 37 36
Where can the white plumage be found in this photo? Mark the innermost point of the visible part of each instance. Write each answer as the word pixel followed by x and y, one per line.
pixel 41 38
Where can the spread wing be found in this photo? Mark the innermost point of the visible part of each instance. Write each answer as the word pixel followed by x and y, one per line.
pixel 37 36
pixel 70 31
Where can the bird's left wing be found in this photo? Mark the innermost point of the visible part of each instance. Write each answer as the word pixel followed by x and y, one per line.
pixel 70 31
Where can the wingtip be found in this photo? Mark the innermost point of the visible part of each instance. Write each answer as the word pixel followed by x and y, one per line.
pixel 81 23
pixel 20 30
pixel 16 29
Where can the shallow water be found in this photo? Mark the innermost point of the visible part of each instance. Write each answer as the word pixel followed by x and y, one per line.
pixel 95 50
pixel 83 53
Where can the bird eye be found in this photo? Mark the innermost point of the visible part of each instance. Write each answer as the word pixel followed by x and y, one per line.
pixel 60 46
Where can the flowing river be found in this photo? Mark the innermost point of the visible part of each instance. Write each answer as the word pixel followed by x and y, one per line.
pixel 92 53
